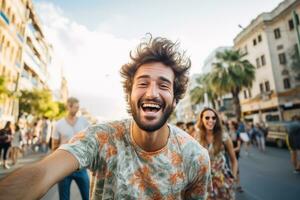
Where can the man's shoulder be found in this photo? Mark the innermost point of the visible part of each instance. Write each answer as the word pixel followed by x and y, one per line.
pixel 110 127
pixel 184 139
pixel 181 134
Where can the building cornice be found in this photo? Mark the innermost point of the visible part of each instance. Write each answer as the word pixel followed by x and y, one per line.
pixel 265 17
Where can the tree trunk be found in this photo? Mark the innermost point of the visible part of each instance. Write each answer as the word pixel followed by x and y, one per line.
pixel 236 104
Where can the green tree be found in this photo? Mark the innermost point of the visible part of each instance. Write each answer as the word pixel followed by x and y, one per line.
pixel 4 92
pixel 230 74
pixel 197 94
pixel 39 103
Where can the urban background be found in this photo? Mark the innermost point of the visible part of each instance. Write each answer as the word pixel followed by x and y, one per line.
pixel 265 54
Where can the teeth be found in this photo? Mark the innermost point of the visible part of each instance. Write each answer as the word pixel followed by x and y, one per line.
pixel 151 105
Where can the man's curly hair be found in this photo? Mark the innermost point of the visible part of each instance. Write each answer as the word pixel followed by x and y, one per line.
pixel 158 50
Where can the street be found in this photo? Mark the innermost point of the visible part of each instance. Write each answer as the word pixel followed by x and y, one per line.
pixel 268 176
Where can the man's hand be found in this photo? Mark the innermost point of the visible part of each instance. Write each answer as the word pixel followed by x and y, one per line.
pixel 33 181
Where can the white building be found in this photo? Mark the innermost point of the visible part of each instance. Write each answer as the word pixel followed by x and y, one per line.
pixel 24 52
pixel 268 41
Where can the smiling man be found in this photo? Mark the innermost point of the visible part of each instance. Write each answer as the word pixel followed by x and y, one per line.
pixel 139 158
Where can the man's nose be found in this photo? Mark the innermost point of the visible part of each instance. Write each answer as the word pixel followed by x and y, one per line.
pixel 152 90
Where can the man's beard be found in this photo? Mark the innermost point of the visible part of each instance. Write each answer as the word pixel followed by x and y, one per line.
pixel 166 112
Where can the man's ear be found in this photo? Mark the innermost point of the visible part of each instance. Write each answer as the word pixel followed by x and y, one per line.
pixel 174 103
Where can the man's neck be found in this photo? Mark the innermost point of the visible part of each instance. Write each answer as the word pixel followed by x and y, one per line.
pixel 150 141
pixel 71 119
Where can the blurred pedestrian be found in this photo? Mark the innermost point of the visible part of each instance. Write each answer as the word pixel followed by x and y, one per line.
pixel 218 144
pixel 260 138
pixel 5 142
pixel 191 130
pixel 45 134
pixel 16 143
pixel 64 130
pixel 243 131
pixel 142 157
pixel 181 125
pixel 293 141
pixel 237 143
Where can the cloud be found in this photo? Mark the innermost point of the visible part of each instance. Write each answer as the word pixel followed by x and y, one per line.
pixel 90 60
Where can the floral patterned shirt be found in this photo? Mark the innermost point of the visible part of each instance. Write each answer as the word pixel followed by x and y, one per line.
pixel 122 170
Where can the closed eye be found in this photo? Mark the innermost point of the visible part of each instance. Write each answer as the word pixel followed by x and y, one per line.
pixel 142 84
pixel 164 86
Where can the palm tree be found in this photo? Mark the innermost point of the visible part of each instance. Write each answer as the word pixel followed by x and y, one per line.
pixel 197 94
pixel 230 74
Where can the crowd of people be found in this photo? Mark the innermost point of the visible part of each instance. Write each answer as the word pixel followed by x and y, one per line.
pixel 22 138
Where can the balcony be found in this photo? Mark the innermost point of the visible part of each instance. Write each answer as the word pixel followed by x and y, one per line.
pixel 4 17
pixel 20 37
pixel 18 65
pixel 33 64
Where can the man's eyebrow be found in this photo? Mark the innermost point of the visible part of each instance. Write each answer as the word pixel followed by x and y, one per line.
pixel 165 79
pixel 143 76
pixel 160 78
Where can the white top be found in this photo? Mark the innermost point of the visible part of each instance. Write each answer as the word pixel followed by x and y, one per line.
pixel 64 131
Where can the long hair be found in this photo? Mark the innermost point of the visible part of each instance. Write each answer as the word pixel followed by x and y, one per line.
pixel 158 50
pixel 217 131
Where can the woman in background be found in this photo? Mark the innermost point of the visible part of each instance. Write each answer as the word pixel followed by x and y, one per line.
pixel 218 143
pixel 16 144
pixel 5 142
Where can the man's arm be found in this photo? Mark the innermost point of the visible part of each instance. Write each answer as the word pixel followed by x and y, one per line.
pixel 33 181
pixel 233 160
pixel 201 184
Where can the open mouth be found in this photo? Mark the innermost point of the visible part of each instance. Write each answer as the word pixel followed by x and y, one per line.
pixel 150 107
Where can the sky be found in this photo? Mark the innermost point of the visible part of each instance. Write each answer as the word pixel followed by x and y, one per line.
pixel 92 39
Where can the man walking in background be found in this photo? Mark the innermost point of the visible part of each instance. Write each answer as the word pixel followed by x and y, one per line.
pixel 64 130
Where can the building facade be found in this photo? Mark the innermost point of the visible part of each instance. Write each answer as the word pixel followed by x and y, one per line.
pixel 24 52
pixel 270 43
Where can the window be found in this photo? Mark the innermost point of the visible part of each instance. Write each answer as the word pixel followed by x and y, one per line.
pixel 259 38
pixel 282 58
pixel 291 24
pixel 279 47
pixel 249 93
pixel 297 19
pixel 261 87
pixel 258 63
pixel 245 94
pixel 254 42
pixel 277 33
pixel 267 86
pixel 286 83
pixel 263 60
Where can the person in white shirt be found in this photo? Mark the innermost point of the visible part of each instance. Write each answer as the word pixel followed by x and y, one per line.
pixel 64 130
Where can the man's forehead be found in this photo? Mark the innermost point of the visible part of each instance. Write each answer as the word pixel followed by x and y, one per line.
pixel 155 70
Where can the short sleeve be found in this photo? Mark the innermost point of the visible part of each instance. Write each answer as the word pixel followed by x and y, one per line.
pixel 85 147
pixel 201 183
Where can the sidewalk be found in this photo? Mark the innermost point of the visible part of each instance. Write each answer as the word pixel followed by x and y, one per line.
pixel 28 159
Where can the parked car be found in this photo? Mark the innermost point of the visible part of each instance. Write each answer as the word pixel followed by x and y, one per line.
pixel 277 133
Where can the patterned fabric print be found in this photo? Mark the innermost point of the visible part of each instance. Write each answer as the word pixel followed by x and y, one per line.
pixel 221 180
pixel 122 170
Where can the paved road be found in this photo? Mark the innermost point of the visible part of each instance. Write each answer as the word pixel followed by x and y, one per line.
pixel 268 176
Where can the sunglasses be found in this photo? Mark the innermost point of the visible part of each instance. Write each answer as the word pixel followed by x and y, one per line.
pixel 213 118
